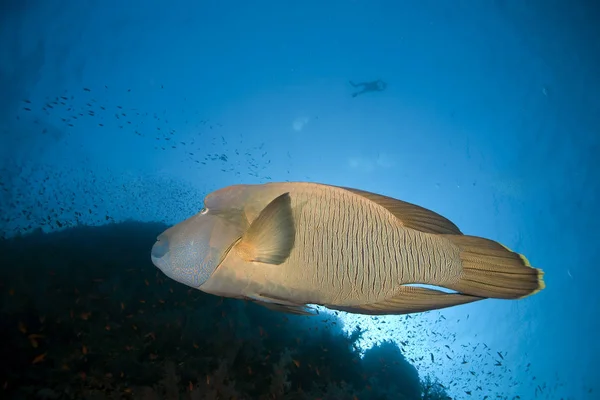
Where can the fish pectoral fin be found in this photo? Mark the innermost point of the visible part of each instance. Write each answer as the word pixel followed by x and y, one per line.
pixel 271 236
pixel 411 299
pixel 411 215
pixel 282 305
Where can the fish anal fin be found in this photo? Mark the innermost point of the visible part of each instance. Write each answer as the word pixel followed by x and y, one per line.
pixel 270 237
pixel 410 299
pixel 411 215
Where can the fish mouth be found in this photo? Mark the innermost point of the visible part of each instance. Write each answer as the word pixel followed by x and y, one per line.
pixel 160 260
pixel 156 261
pixel 162 264
pixel 161 247
pixel 158 253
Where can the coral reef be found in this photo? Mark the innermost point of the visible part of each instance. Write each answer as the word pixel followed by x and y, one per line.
pixel 85 315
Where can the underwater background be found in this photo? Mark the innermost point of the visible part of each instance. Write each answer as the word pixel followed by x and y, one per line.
pixel 117 118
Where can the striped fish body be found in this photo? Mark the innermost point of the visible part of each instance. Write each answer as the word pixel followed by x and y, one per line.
pixel 348 250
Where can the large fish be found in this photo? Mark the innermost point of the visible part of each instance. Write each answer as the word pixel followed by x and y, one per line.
pixel 288 245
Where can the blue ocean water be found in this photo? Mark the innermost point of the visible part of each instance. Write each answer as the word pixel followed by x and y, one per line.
pixel 117 118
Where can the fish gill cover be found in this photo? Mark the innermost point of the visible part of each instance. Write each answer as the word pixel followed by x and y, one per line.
pixel 116 121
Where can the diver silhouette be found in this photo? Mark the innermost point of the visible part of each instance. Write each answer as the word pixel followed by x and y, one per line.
pixel 373 86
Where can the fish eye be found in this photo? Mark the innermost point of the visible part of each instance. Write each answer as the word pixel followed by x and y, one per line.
pixel 204 211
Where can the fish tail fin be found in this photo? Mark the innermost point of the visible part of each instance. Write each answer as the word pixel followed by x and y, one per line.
pixel 492 270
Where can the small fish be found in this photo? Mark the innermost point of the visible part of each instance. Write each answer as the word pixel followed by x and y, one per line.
pixel 286 245
pixel 33 340
pixel 39 358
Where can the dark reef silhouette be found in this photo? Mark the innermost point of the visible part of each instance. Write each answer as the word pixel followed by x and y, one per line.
pixel 85 314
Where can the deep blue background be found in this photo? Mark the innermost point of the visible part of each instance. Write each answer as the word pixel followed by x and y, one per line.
pixel 491 117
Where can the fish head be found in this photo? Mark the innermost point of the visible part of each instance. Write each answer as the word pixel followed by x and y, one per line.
pixel 191 251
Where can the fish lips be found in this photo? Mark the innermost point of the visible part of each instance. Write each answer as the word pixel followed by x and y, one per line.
pixel 160 254
pixel 161 259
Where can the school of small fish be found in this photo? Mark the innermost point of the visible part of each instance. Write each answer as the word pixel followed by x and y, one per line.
pixel 59 206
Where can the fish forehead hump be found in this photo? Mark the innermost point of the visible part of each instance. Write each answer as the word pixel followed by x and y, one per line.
pixel 228 197
pixel 319 198
pixel 252 198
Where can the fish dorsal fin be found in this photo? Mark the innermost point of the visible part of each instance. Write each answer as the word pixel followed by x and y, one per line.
pixel 411 215
pixel 271 236
pixel 410 299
